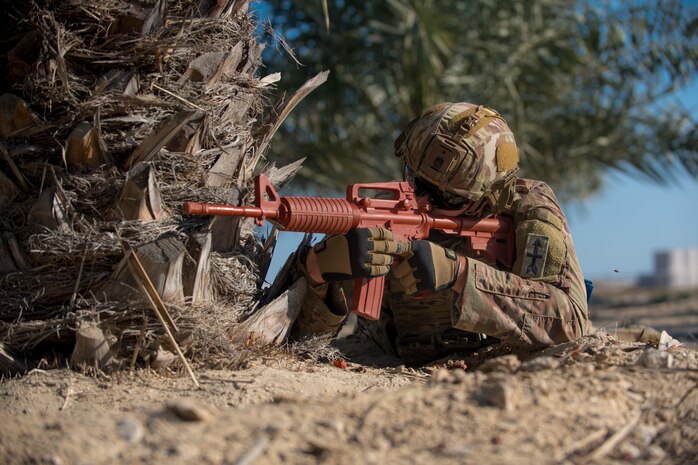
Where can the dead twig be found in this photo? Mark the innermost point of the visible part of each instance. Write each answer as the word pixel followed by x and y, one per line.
pixel 251 454
pixel 615 438
pixel 137 349
pixel 77 281
pixel 158 305
pixel 69 391
pixel 583 443
pixel 181 99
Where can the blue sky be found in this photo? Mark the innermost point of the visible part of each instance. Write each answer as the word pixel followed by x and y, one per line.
pixel 629 221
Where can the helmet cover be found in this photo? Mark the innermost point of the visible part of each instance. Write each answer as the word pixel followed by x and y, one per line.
pixel 460 148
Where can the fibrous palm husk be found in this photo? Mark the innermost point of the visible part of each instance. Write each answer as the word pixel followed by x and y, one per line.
pixel 103 78
pixel 166 88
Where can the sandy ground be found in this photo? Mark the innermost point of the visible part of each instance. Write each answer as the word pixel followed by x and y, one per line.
pixel 597 400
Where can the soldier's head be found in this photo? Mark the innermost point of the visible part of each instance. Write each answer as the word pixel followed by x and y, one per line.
pixel 462 155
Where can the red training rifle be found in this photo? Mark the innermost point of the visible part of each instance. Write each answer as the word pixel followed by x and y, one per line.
pixel 408 216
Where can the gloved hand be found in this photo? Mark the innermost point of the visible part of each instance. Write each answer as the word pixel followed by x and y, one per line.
pixel 361 253
pixel 427 267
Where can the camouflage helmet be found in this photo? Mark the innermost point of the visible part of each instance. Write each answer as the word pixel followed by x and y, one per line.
pixel 461 149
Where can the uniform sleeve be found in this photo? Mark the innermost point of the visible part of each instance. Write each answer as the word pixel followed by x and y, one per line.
pixel 542 300
pixel 324 309
pixel 519 311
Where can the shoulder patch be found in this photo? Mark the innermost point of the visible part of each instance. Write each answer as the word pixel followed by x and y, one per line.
pixel 535 256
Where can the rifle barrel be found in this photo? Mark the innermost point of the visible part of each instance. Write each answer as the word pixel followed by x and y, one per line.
pixel 196 208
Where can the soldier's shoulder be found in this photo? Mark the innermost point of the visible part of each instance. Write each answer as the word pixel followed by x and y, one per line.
pixel 536 199
pixel 533 186
pixel 533 193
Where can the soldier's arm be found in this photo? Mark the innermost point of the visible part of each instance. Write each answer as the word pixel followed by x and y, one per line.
pixel 324 308
pixel 542 301
pixel 362 252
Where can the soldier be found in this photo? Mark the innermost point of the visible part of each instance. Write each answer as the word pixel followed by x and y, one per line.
pixel 439 298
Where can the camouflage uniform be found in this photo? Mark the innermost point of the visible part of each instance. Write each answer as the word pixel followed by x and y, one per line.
pixel 540 301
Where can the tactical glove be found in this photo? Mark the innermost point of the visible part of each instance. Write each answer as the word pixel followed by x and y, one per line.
pixel 426 267
pixel 361 253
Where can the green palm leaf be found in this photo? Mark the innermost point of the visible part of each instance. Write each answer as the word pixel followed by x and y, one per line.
pixel 585 86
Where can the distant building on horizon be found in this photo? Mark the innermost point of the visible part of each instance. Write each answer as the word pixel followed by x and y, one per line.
pixel 674 268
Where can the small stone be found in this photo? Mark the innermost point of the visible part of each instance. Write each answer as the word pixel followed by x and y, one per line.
pixel 453 364
pixel 499 394
pixel 459 450
pixel 162 358
pixel 543 387
pixel 333 424
pixel 629 452
pixel 691 361
pixel 47 459
pixel 382 443
pixel 653 358
pixel 188 410
pixel 540 363
pixel 582 357
pixel 130 429
pixel 442 375
pixel 665 415
pixel 655 452
pixel 611 356
pixel 667 342
pixel 459 376
pixel 458 395
pixel 587 369
pixel 53 426
pixel 647 434
pixel 506 363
